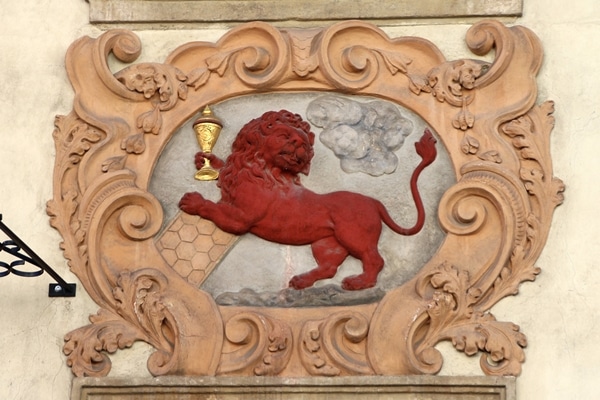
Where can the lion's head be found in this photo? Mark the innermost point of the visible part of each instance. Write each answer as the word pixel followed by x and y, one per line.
pixel 277 143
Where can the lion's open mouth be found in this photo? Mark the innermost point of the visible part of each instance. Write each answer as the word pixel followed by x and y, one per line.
pixel 294 156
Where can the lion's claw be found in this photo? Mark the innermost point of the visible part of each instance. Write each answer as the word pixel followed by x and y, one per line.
pixel 358 282
pixel 191 203
pixel 299 282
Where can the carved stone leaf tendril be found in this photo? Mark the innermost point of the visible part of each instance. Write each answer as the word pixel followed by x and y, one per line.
pixel 492 156
pixel 85 347
pixel 134 144
pixel 160 80
pixel 66 210
pixel 464 119
pixel 198 77
pixel 219 62
pixel 161 84
pixel 452 82
pixel 67 207
pixel 530 134
pixel 82 137
pixel 150 122
pixel 510 278
pixel 501 342
pixel 114 164
pixel 455 283
pixel 395 62
pixel 418 83
pixel 543 189
pixel 469 145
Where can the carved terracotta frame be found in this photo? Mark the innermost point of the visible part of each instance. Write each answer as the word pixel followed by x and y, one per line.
pixel 496 217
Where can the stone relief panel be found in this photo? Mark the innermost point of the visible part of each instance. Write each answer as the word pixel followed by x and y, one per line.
pixel 155 272
pixel 243 268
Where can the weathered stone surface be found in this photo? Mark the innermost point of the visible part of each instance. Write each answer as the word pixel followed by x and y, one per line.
pixel 323 296
pixel 115 11
pixel 359 388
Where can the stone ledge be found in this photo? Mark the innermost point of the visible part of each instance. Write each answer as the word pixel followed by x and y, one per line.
pixel 359 387
pixel 210 11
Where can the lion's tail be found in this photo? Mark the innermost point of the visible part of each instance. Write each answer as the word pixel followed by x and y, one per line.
pixel 426 149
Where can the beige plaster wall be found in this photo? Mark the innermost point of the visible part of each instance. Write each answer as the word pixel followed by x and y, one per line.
pixel 557 312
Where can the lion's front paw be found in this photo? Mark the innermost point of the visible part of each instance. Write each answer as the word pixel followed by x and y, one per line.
pixel 299 282
pixel 201 157
pixel 192 203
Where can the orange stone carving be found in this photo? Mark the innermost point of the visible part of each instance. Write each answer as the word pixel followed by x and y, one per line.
pixel 145 279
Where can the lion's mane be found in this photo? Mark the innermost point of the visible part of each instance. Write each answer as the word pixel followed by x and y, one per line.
pixel 246 163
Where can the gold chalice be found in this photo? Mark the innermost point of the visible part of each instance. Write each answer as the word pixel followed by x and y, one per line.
pixel 207 128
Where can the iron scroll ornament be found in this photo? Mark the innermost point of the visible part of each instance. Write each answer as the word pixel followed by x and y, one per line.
pixel 15 247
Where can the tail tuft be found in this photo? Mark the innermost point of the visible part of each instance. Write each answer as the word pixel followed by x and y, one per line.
pixel 426 147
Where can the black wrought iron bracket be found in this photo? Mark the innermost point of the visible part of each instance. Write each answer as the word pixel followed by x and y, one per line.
pixel 15 246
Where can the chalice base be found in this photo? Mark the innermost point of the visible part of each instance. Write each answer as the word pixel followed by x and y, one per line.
pixel 206 173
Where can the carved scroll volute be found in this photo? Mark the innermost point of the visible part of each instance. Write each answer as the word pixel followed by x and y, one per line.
pixel 352 65
pixel 255 345
pixel 484 216
pixel 518 57
pixel 335 346
pixel 155 304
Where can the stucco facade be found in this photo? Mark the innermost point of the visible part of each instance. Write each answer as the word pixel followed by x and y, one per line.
pixel 557 311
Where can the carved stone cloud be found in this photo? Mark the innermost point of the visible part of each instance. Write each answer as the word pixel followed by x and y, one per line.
pixel 363 136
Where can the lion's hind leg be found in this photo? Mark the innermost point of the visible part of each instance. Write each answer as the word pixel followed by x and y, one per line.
pixel 329 254
pixel 372 265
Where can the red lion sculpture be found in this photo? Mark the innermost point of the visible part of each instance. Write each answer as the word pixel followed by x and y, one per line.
pixel 261 193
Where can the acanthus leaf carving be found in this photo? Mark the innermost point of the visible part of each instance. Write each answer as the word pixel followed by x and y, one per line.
pixel 139 299
pixel 455 313
pixel 73 140
pixel 530 135
pixel 85 346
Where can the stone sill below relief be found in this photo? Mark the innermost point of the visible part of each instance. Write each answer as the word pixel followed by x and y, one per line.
pixel 359 387
pixel 186 14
